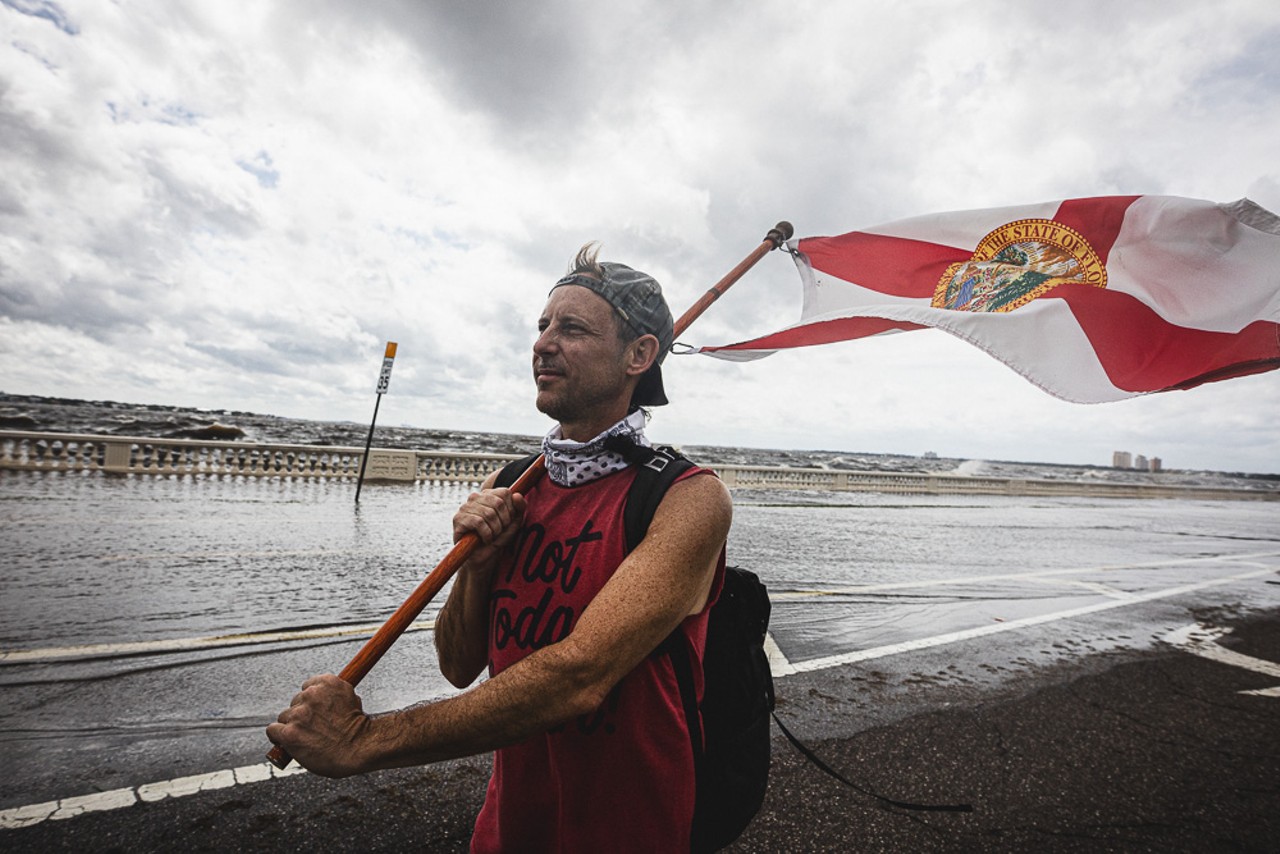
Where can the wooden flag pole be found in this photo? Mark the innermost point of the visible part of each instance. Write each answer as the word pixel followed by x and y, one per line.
pixel 777 235
pixel 397 623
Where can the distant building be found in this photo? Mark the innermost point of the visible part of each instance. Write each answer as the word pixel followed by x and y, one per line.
pixel 1126 460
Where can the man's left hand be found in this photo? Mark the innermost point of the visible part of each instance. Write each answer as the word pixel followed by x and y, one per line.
pixel 323 727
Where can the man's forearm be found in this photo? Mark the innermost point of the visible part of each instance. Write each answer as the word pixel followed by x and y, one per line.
pixel 462 627
pixel 327 731
pixel 543 690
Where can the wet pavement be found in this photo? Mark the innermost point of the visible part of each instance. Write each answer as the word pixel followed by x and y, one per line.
pixel 1121 750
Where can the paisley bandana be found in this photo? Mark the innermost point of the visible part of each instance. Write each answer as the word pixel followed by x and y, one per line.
pixel 572 463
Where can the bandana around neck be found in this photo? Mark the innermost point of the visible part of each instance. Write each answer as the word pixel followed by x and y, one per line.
pixel 572 463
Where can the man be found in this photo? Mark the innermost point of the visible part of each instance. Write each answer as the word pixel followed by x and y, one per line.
pixel 592 749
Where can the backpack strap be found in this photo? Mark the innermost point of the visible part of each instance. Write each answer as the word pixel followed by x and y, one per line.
pixel 674 649
pixel 656 469
pixel 511 472
pixel 807 753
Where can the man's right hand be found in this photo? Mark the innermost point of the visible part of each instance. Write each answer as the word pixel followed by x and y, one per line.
pixel 493 515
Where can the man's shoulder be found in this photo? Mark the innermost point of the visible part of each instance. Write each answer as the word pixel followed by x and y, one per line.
pixel 696 485
pixel 696 499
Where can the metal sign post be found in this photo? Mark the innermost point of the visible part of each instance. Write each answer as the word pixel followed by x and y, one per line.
pixel 384 381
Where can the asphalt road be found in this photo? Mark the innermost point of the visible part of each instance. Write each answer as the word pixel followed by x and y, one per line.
pixel 1121 750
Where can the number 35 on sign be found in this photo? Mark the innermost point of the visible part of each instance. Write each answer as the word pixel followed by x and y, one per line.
pixel 384 377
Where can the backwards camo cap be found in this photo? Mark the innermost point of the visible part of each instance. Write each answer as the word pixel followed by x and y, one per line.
pixel 637 298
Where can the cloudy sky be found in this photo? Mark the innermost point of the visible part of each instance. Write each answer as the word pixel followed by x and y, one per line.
pixel 236 204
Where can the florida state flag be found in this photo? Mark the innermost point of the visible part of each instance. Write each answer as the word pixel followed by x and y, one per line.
pixel 1091 299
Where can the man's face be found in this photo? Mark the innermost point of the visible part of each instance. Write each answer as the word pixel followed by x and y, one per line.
pixel 579 359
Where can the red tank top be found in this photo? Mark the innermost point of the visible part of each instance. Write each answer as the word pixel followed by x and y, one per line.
pixel 619 779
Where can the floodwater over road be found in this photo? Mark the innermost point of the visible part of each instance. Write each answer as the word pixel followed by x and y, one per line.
pixel 119 596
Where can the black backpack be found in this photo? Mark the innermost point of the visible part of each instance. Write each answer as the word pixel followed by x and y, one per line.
pixel 732 771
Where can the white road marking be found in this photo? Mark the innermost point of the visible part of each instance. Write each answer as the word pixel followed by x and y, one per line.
pixel 65 808
pixel 1202 640
pixel 202 555
pixel 1037 575
pixel 778 664
pixel 1011 625
pixel 26 816
pixel 1093 586
pixel 103 650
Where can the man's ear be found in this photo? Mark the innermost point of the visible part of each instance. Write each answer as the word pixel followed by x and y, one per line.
pixel 642 353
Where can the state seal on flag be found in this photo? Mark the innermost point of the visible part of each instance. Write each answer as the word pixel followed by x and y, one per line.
pixel 1016 263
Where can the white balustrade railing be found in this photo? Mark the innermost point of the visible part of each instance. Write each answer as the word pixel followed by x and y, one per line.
pixel 71 452
pixel 924 483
